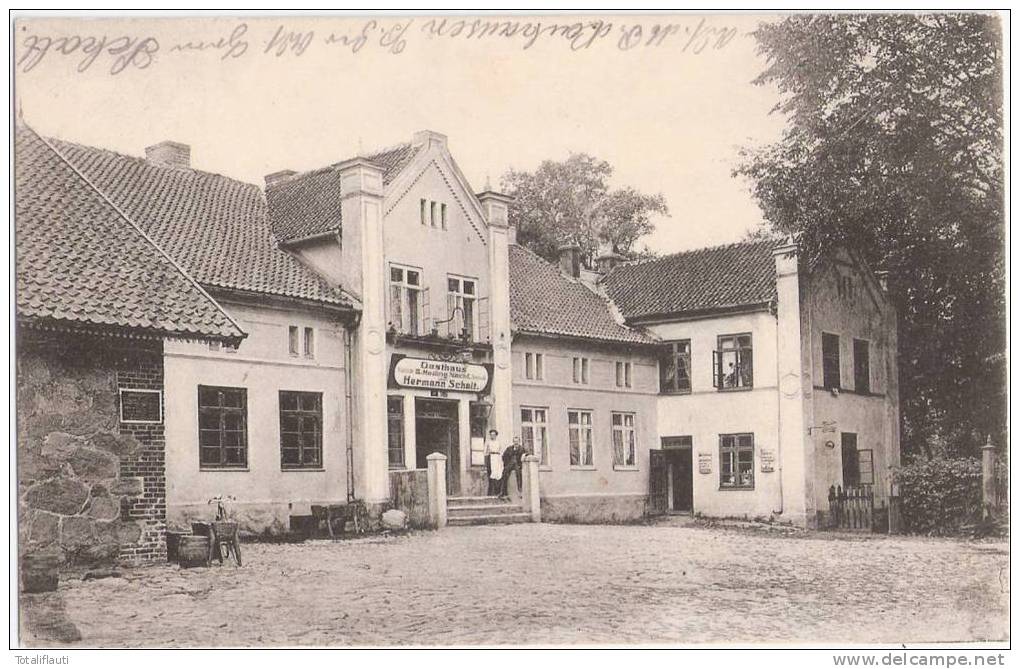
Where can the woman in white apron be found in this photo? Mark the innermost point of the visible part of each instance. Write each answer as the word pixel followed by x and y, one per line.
pixel 493 462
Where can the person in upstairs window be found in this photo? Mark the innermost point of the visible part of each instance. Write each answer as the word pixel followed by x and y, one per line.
pixel 512 462
pixel 731 376
pixel 493 462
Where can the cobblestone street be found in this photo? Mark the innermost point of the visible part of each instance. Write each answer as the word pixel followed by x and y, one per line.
pixel 551 584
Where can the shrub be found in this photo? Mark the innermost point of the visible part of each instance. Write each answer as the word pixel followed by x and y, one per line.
pixel 940 496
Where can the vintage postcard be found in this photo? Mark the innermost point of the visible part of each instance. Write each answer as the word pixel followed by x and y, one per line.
pixel 536 329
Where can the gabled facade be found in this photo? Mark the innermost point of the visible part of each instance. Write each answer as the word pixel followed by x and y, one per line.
pixel 426 258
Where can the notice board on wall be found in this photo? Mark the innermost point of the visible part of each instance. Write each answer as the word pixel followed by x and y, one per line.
pixel 704 463
pixel 141 406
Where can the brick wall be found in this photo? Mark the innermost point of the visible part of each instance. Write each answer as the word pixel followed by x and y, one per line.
pixel 143 369
pixel 91 489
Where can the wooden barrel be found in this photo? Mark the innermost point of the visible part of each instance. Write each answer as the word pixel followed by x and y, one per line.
pixel 173 541
pixel 40 572
pixel 193 551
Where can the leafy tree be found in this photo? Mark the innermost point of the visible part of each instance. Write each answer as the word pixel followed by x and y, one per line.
pixel 893 147
pixel 571 202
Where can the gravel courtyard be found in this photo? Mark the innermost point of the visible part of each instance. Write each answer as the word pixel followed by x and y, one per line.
pixel 548 584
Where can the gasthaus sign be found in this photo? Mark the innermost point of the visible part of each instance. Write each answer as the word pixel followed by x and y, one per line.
pixel 465 377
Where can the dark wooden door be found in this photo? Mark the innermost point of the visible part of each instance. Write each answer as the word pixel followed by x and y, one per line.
pixel 436 431
pixel 658 482
pixel 683 479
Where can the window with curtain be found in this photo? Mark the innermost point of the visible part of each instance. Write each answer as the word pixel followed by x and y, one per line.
pixel 582 447
pixel 736 460
pixel 624 440
pixel 534 432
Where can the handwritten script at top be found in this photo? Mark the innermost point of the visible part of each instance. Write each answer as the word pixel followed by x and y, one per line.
pixel 117 53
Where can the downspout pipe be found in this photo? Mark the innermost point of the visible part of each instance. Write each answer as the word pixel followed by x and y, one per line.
pixel 349 407
pixel 779 422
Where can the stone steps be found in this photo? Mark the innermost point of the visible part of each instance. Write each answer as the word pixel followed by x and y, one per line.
pixel 491 519
pixel 484 510
pixel 488 500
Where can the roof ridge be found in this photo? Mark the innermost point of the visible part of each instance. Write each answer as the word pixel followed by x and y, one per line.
pixel 700 249
pixel 368 155
pixel 136 227
pixel 299 176
pixel 389 149
pixel 144 161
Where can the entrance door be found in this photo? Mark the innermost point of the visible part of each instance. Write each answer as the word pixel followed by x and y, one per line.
pixel 436 431
pixel 679 458
pixel 682 475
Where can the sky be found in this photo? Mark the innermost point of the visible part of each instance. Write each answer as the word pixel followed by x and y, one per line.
pixel 299 93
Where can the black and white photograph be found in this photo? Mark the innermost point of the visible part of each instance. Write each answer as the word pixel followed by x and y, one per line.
pixel 521 329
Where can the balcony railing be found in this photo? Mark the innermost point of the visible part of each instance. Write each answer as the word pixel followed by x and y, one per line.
pixel 464 319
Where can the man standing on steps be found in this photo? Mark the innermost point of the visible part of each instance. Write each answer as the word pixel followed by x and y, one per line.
pixel 512 462
pixel 493 463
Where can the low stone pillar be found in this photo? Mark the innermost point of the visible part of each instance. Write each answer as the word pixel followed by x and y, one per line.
pixel 437 489
pixel 895 510
pixel 531 501
pixel 988 478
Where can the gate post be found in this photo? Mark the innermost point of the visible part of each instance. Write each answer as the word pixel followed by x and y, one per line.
pixel 437 489
pixel 532 501
pixel 987 479
pixel 895 518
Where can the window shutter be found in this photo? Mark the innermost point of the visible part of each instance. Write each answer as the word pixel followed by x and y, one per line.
pixel 425 318
pixel 395 311
pixel 717 369
pixel 451 304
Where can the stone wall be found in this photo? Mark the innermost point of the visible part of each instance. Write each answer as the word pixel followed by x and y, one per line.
pixel 409 492
pixel 594 508
pixel 90 488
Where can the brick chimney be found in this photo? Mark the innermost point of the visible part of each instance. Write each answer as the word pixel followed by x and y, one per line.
pixel 608 260
pixel 169 154
pixel 570 260
pixel 277 177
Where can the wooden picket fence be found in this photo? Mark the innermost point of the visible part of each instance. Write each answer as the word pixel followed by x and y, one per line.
pixel 1001 500
pixel 852 508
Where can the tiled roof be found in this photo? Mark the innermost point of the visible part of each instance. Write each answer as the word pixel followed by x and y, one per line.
pixel 393 159
pixel 305 205
pixel 543 301
pixel 81 262
pixel 215 227
pixel 308 204
pixel 708 279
